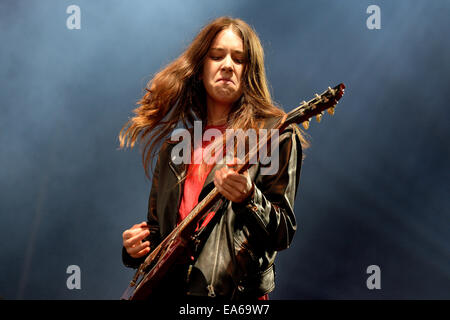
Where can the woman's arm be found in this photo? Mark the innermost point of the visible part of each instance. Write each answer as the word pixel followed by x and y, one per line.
pixel 152 224
pixel 270 209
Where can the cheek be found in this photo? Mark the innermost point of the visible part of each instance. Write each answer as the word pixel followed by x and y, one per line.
pixel 206 76
pixel 208 71
pixel 239 73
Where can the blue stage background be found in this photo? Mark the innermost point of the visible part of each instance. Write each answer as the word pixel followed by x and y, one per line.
pixel 375 183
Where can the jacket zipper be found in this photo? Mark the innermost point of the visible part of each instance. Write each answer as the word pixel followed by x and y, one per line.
pixel 210 287
pixel 174 170
pixel 178 182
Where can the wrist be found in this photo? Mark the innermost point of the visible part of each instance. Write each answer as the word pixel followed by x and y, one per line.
pixel 250 194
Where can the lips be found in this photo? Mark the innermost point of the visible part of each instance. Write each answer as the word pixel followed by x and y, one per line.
pixel 225 80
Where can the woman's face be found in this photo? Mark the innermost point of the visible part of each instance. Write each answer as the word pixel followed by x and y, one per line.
pixel 223 67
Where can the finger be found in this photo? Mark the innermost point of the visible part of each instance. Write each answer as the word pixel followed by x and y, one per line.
pixel 238 191
pixel 141 247
pixel 232 169
pixel 127 234
pixel 225 173
pixel 237 178
pixel 243 179
pixel 136 238
pixel 218 176
pixel 143 224
pixel 225 193
pixel 134 230
pixel 233 183
pixel 230 172
pixel 230 192
pixel 141 253
pixel 234 162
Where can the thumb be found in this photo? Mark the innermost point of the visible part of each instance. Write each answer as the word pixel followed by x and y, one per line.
pixel 233 162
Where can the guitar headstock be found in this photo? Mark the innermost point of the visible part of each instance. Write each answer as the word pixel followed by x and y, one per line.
pixel 316 107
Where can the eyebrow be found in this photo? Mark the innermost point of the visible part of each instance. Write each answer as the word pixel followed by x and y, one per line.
pixel 222 49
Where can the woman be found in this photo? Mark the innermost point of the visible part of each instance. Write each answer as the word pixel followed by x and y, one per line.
pixel 219 80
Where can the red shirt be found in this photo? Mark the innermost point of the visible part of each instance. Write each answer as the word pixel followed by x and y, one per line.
pixel 195 180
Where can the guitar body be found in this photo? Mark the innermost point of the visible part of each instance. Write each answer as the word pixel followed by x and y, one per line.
pixel 152 272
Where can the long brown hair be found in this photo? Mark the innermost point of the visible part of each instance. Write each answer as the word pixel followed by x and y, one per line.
pixel 176 94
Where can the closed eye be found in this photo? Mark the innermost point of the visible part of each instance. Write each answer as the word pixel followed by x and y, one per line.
pixel 236 60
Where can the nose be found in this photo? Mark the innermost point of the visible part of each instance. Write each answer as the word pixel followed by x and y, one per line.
pixel 227 63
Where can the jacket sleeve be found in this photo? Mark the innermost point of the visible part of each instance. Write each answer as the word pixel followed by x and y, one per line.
pixel 152 222
pixel 270 210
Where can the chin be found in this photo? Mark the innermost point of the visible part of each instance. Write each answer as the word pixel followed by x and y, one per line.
pixel 225 96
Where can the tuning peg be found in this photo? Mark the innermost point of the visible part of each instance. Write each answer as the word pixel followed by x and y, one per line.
pixel 303 103
pixel 306 124
pixel 317 96
pixel 319 117
pixel 331 110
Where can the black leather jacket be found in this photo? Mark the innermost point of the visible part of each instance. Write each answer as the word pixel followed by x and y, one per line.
pixel 237 258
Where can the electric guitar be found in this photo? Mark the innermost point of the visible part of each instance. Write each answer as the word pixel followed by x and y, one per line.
pixel 171 249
